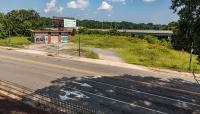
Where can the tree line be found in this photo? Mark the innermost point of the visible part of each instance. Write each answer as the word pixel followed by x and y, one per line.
pixel 92 24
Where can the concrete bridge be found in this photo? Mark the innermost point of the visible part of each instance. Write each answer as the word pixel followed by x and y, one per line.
pixel 161 33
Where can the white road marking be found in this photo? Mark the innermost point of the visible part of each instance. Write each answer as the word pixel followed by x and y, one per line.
pixel 143 92
pixel 76 94
pixel 82 84
pixel 131 104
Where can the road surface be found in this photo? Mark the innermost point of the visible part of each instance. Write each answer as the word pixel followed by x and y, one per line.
pixel 113 90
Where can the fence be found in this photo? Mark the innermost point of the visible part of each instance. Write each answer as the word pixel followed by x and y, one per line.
pixel 43 102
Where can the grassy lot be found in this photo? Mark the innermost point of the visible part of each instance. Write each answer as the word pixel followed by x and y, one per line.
pixel 146 51
pixel 84 53
pixel 15 41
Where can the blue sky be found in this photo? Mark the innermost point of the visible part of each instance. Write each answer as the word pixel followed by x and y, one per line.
pixel 137 11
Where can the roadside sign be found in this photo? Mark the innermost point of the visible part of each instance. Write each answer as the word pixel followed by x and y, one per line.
pixel 192 50
pixel 46 39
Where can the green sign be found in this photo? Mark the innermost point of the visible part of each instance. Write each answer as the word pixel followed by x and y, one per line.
pixel 70 23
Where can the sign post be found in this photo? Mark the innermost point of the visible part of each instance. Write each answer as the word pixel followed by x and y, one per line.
pixel 46 40
pixel 57 48
pixel 191 51
pixel 79 42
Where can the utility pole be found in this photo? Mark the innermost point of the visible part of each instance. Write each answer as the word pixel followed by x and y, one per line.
pixel 79 46
pixel 191 51
pixel 79 41
pixel 190 36
pixel 102 25
pixel 9 36
pixel 110 29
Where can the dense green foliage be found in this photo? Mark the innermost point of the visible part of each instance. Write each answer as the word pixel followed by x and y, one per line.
pixel 2 26
pixel 147 51
pixel 188 30
pixel 17 42
pixel 92 24
pixel 18 22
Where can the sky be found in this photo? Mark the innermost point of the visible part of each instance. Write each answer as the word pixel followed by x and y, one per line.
pixel 137 11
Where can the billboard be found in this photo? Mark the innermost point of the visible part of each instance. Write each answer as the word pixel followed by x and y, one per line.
pixel 70 23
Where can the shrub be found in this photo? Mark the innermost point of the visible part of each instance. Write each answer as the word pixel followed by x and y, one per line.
pixel 15 41
pixel 151 39
pixel 198 58
pixel 166 43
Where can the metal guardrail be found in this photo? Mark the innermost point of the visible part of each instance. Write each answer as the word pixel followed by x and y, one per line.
pixel 43 102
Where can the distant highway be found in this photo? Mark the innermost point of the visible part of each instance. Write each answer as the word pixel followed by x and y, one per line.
pixel 140 32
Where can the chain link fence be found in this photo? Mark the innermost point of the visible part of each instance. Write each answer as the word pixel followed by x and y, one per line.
pixel 43 102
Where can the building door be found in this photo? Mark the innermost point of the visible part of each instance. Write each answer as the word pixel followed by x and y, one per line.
pixel 64 38
pixel 54 38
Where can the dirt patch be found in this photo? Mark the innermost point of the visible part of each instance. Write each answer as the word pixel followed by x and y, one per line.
pixel 107 54
pixel 83 52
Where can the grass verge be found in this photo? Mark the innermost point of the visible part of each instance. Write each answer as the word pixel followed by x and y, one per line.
pixel 16 42
pixel 141 52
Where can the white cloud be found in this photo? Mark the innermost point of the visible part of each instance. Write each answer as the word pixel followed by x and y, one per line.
pixel 105 6
pixel 78 4
pixel 149 0
pixel 109 15
pixel 118 1
pixel 50 5
pixel 60 9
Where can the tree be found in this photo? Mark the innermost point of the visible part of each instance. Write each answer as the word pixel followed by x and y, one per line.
pixel 188 24
pixel 2 26
pixel 2 31
pixel 172 26
pixel 19 22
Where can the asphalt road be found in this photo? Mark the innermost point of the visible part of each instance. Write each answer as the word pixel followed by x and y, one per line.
pixel 72 81
pixel 35 71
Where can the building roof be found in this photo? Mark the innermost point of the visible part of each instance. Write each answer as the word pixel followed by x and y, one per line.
pixel 61 18
pixel 54 30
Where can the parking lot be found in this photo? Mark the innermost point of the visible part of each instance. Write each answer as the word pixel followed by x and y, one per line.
pixel 128 94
